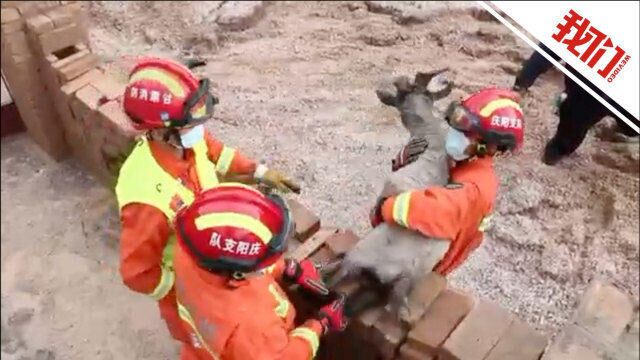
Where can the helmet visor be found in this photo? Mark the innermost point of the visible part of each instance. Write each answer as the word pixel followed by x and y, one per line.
pixel 460 118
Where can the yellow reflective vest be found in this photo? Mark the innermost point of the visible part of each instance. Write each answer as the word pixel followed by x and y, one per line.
pixel 142 180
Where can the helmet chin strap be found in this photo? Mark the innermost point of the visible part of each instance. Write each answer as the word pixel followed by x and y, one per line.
pixel 481 150
pixel 172 137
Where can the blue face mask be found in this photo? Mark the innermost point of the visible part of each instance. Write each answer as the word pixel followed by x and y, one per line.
pixel 192 137
pixel 455 144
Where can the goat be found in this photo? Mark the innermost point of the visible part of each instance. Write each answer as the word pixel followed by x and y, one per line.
pixel 396 256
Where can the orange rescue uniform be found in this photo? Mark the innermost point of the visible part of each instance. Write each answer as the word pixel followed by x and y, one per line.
pixel 231 319
pixel 146 229
pixel 457 212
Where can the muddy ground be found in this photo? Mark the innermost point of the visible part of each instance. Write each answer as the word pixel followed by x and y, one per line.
pixel 297 91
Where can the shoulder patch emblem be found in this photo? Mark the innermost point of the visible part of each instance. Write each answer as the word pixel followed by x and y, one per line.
pixel 453 185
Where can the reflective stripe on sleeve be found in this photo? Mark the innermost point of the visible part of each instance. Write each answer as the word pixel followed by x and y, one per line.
pixel 283 304
pixel 484 223
pixel 186 317
pixel 401 209
pixel 206 170
pixel 224 161
pixel 310 336
pixel 164 286
pixel 269 269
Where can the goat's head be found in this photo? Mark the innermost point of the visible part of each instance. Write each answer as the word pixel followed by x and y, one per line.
pixel 415 100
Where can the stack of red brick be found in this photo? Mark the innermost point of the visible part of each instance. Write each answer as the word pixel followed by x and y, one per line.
pixel 21 66
pixel 69 105
pixel 454 326
pixel 605 326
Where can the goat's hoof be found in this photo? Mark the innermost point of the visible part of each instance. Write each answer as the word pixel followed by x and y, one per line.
pixel 409 315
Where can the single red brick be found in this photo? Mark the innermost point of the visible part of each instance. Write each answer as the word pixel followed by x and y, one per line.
pixel 292 245
pixel 115 119
pixel 322 255
pixel 109 86
pixel 478 333
pixel 78 67
pixel 75 136
pixel 26 8
pixel 61 38
pixel 604 311
pixel 440 319
pixel 85 101
pixel 342 242
pixel 313 245
pixel 306 222
pixel 407 352
pixel 89 97
pixel 9 15
pixel 39 24
pixel 16 44
pixel 10 4
pixel 114 149
pixel 96 133
pixel 60 16
pixel 13 26
pixel 74 85
pixel 575 343
pixel 64 113
pixel 519 342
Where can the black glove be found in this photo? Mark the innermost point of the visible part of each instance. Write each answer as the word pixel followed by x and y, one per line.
pixel 409 153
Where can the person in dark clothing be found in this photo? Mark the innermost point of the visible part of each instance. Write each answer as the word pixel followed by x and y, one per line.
pixel 578 112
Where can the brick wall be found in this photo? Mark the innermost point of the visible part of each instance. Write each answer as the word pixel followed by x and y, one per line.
pixel 68 103
pixel 457 325
pixel 21 65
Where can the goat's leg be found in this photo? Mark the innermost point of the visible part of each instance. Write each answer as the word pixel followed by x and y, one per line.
pixel 398 299
pixel 421 294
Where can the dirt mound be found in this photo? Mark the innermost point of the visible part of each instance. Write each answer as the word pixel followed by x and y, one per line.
pixel 169 28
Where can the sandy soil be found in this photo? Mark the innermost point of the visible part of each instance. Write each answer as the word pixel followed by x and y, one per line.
pixel 297 91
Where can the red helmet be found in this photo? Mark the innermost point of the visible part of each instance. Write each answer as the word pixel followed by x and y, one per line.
pixel 163 94
pixel 234 228
pixel 492 115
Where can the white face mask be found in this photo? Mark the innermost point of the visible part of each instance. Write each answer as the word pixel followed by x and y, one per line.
pixel 456 144
pixel 192 136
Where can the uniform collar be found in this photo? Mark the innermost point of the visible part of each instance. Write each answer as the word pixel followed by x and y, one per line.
pixel 463 168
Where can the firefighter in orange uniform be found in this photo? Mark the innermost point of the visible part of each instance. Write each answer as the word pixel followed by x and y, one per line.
pixel 487 123
pixel 172 162
pixel 228 262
